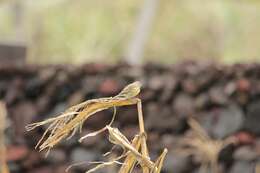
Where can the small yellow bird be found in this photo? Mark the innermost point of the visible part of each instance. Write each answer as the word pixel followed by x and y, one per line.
pixel 130 91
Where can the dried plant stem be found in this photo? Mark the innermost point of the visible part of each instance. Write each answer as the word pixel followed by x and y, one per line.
pixel 160 160
pixel 70 121
pixel 3 165
pixel 130 160
pixel 118 138
pixel 144 149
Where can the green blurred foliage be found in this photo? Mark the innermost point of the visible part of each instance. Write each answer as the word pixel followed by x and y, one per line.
pixel 220 30
pixel 81 31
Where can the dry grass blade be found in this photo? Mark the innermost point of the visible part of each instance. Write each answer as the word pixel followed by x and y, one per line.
pixel 130 160
pixel 202 146
pixel 69 122
pixel 100 164
pixel 131 154
pixel 160 160
pixel 3 165
pixel 104 164
pixel 117 138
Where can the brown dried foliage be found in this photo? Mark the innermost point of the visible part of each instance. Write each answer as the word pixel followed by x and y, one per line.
pixel 71 121
pixel 199 144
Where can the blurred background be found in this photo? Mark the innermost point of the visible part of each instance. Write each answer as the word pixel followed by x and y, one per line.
pixel 65 31
pixel 195 58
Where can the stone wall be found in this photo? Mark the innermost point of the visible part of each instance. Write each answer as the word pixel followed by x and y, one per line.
pixel 224 99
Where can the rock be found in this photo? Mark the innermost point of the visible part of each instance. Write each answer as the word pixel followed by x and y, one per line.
pixel 109 87
pixel 76 98
pixel 170 86
pixel 95 68
pixel 202 101
pixel 57 156
pixel 183 105
pixel 155 83
pixel 147 95
pixel 14 91
pixel 255 89
pixel 15 153
pixel 244 138
pixel 252 118
pixel 14 167
pixel 225 156
pixel 35 86
pixel 223 122
pixel 44 169
pixel 23 114
pixel 242 98
pixel 242 167
pixel 176 163
pixel 99 120
pixel 42 104
pixel 168 141
pixel 243 85
pixel 152 139
pixel 217 96
pixel 128 115
pixel 67 144
pixel 230 88
pixel 245 153
pixel 33 159
pixel 160 118
pixel 189 86
pixel 82 155
pixel 58 109
pixel 257 148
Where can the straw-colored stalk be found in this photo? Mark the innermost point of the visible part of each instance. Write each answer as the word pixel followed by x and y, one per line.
pixel 3 164
pixel 257 168
pixel 199 144
pixel 71 121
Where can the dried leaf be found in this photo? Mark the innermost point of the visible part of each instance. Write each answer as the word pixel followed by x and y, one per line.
pixel 69 122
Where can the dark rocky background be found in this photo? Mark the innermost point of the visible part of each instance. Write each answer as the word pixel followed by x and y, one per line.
pixel 224 99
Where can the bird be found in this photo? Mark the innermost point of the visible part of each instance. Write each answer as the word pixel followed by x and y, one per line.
pixel 130 91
